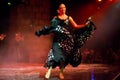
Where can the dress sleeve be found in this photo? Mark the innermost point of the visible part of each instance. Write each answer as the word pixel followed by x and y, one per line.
pixel 82 35
pixel 54 22
pixel 48 29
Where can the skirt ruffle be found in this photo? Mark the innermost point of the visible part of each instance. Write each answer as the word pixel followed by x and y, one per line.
pixel 62 55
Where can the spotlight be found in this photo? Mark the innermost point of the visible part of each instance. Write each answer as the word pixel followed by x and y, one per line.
pixel 110 0
pixel 9 3
pixel 99 0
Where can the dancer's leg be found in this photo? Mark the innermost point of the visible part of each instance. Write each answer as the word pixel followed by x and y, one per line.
pixel 48 73
pixel 61 73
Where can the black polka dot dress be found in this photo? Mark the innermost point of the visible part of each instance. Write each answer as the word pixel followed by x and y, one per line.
pixel 66 43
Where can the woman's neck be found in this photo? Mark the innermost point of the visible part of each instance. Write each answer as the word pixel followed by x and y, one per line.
pixel 62 16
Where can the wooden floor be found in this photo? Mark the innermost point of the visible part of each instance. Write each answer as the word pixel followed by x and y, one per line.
pixel 37 71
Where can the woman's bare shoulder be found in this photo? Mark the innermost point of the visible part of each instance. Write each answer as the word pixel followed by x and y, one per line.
pixel 55 17
pixel 70 18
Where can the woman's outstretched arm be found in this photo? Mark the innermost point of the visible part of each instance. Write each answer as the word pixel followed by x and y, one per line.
pixel 75 25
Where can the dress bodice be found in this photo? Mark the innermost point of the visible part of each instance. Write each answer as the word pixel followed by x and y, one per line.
pixel 63 35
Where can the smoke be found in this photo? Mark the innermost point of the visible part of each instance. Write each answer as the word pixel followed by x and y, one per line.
pixel 108 30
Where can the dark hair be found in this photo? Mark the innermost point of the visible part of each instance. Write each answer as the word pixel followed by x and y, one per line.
pixel 55 5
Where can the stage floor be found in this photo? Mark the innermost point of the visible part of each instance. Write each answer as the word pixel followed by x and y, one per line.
pixel 37 72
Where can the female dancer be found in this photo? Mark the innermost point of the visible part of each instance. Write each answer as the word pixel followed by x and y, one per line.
pixel 68 38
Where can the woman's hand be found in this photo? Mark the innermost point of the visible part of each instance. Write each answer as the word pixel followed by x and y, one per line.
pixel 88 21
pixel 38 33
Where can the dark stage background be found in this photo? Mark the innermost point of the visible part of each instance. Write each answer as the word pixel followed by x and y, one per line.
pixel 19 19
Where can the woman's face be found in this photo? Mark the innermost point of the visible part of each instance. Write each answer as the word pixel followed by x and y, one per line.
pixel 61 9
